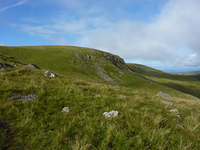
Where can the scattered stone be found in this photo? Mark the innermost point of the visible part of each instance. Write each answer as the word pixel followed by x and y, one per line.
pixel 2 69
pixel 174 111
pixel 179 126
pixel 33 66
pixel 123 96
pixel 111 114
pixel 97 95
pixel 29 97
pixel 50 73
pixel 166 102
pixel 25 98
pixel 66 109
pixel 165 95
pixel 5 65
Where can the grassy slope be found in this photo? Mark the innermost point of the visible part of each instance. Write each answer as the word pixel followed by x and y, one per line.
pixel 184 83
pixel 143 122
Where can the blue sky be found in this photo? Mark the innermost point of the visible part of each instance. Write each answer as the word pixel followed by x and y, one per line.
pixel 158 33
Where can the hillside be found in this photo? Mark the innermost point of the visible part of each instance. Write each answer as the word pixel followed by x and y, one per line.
pixel 92 82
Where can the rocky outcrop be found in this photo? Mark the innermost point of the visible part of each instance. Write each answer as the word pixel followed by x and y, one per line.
pixel 5 65
pixel 33 66
pixel 101 72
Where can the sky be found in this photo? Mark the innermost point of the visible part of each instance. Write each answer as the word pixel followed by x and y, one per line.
pixel 157 33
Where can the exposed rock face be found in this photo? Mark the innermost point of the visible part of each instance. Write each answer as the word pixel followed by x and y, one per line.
pixel 32 66
pixel 166 102
pixel 101 72
pixel 5 65
pixel 115 60
pixel 66 109
pixel 25 98
pixel 111 114
pixel 164 95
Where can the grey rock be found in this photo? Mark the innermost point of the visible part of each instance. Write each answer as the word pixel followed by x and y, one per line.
pixel 66 109
pixel 179 126
pixel 5 65
pixel 16 97
pixel 110 114
pixel 164 95
pixel 174 111
pixel 166 102
pixel 29 97
pixel 25 98
pixel 33 66
pixel 2 69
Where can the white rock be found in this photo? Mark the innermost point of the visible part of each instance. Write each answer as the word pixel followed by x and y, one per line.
pixel 52 75
pixel 66 109
pixel 111 114
pixel 174 110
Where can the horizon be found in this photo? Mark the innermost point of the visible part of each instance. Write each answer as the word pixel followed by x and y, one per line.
pixel 154 33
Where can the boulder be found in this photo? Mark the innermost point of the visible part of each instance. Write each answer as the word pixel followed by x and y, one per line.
pixel 111 114
pixel 33 66
pixel 164 95
pixel 66 109
pixel 166 102
pixel 2 69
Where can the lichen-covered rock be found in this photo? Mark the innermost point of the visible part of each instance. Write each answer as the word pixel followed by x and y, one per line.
pixel 66 109
pixel 111 114
pixel 32 66
pixel 164 95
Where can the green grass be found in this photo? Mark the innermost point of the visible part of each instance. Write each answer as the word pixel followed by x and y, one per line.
pixel 143 122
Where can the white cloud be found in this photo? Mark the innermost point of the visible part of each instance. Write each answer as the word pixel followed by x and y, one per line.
pixel 156 42
pixel 15 5
pixel 178 26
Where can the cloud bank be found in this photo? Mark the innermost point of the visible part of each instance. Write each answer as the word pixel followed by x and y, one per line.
pixel 169 38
